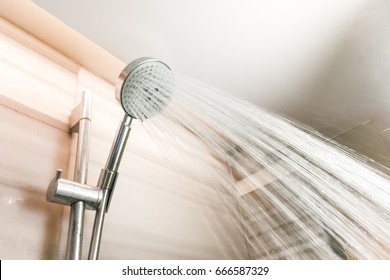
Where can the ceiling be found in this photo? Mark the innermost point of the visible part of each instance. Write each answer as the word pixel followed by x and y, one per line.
pixel 324 63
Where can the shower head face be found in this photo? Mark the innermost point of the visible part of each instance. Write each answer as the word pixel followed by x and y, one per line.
pixel 145 87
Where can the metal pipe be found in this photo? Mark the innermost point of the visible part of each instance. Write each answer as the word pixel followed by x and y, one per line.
pixel 76 222
pixel 107 182
pixel 82 153
pixel 98 227
pixel 119 144
pixel 75 231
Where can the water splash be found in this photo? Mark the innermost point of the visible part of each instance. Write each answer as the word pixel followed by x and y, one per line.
pixel 299 194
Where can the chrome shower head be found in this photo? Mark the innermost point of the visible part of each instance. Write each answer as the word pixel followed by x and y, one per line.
pixel 144 87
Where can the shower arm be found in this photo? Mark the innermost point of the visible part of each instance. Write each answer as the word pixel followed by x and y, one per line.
pixel 106 183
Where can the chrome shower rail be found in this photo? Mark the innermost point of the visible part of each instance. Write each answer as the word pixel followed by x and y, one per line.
pixel 73 192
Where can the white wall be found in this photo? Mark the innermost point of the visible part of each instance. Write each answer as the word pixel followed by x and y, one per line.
pixel 157 212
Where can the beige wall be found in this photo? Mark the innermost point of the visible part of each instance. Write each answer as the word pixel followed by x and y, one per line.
pixel 30 150
pixel 158 211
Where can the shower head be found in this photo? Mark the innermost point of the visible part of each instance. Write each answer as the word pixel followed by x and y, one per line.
pixel 144 87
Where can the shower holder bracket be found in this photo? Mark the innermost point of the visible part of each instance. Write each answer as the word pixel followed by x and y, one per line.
pixel 80 112
pixel 66 192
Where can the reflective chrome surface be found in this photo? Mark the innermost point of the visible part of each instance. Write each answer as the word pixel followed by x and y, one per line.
pixel 75 193
pixel 76 221
pixel 107 182
pixel 67 192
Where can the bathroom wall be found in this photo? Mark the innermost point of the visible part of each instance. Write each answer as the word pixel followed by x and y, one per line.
pixel 30 228
pixel 35 94
pixel 159 210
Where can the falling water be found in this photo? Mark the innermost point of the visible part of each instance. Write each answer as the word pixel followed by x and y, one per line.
pixel 299 194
